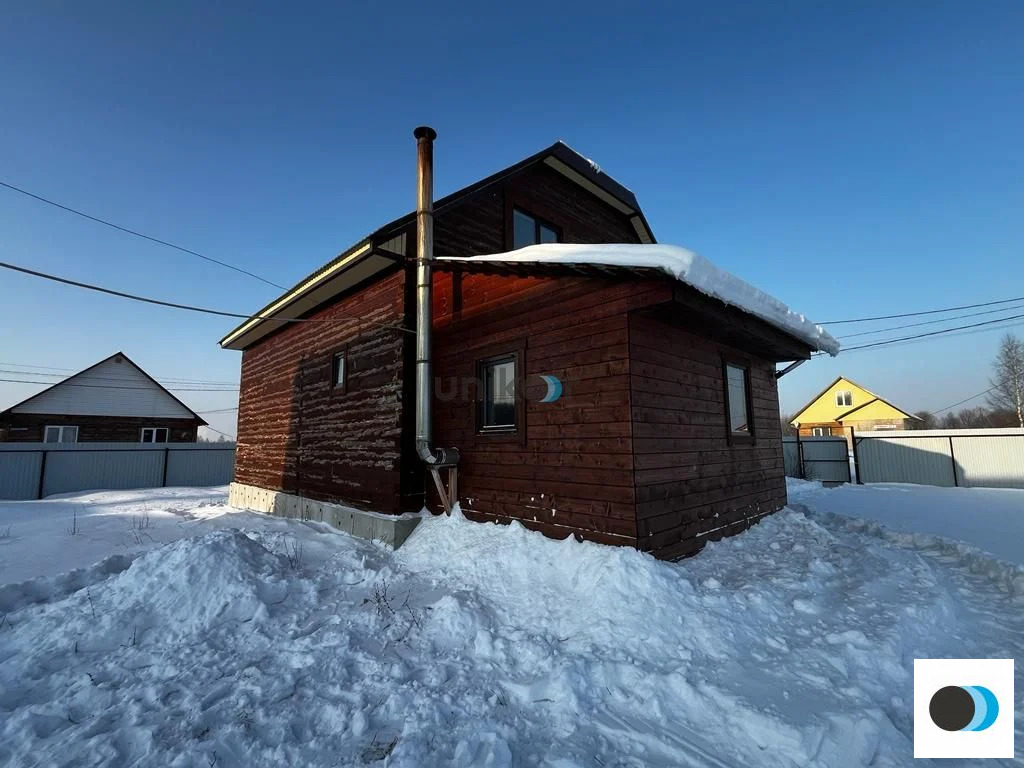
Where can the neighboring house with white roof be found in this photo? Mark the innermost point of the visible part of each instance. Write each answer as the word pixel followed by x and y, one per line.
pixel 111 401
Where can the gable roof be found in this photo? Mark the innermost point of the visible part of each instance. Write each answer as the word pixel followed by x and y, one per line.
pixel 876 398
pixel 70 379
pixel 377 253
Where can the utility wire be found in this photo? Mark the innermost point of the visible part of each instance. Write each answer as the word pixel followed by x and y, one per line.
pixel 229 437
pixel 961 402
pixel 933 336
pixel 138 234
pixel 220 410
pixel 932 322
pixel 92 377
pixel 111 386
pixel 926 312
pixel 933 333
pixel 187 307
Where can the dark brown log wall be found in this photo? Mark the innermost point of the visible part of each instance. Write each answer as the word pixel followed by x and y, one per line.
pixel 569 468
pixel 691 484
pixel 298 434
pixel 31 428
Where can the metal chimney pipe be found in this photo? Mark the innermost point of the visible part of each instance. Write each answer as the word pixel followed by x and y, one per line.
pixel 424 319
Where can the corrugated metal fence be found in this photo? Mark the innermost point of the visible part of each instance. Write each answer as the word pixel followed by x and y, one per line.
pixel 817 458
pixel 36 470
pixel 992 458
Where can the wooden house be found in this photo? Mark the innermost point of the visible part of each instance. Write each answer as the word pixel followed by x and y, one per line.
pixel 111 401
pixel 843 405
pixel 613 401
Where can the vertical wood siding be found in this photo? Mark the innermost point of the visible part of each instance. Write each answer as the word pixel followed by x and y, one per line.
pixel 299 434
pixel 691 485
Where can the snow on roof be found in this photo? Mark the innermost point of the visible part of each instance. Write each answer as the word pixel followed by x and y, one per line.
pixel 687 267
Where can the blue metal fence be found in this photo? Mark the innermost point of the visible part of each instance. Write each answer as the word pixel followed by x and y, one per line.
pixel 37 470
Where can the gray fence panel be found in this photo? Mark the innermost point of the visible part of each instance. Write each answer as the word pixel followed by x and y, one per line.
pixel 990 461
pixel 992 458
pixel 201 467
pixel 791 457
pixel 923 460
pixel 824 458
pixel 68 468
pixel 19 474
pixel 70 471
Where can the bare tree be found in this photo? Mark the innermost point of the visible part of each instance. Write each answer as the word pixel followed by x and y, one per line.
pixel 788 430
pixel 926 420
pixel 1008 378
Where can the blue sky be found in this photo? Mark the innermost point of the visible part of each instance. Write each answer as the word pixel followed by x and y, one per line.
pixel 851 159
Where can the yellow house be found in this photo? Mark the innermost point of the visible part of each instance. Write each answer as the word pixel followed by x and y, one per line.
pixel 844 404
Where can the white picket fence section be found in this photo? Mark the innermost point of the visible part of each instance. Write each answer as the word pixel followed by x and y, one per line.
pixel 817 458
pixel 968 458
pixel 36 470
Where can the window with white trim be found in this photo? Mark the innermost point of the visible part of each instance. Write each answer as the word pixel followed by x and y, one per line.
pixel 61 434
pixel 821 431
pixel 844 397
pixel 154 435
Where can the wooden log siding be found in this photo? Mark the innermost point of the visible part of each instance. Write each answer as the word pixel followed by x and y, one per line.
pixel 691 485
pixel 298 434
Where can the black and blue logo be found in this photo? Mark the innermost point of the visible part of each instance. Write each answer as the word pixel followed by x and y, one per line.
pixel 963 708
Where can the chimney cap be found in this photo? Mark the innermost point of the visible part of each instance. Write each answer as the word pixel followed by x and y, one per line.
pixel 425 131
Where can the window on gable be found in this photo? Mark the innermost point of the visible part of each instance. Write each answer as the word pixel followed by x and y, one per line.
pixel 61 435
pixel 737 401
pixel 154 435
pixel 844 397
pixel 529 230
pixel 338 371
pixel 497 394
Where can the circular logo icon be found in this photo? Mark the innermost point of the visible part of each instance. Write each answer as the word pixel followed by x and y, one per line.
pixel 963 708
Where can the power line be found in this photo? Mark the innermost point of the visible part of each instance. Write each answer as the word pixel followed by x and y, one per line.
pixel 77 370
pixel 932 322
pixel 926 312
pixel 229 437
pixel 138 234
pixel 187 307
pixel 933 333
pixel 111 386
pixel 961 402
pixel 93 377
pixel 220 410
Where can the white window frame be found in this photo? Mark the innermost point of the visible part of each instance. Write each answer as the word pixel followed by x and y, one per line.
pixel 63 433
pixel 153 432
pixel 820 431
pixel 844 398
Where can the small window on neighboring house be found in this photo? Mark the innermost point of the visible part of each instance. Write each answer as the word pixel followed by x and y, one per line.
pixel 529 230
pixel 821 431
pixel 338 371
pixel 154 435
pixel 61 435
pixel 497 398
pixel 737 400
pixel 844 397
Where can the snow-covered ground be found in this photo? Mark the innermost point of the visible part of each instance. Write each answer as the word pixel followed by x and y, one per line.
pixel 991 519
pixel 253 641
